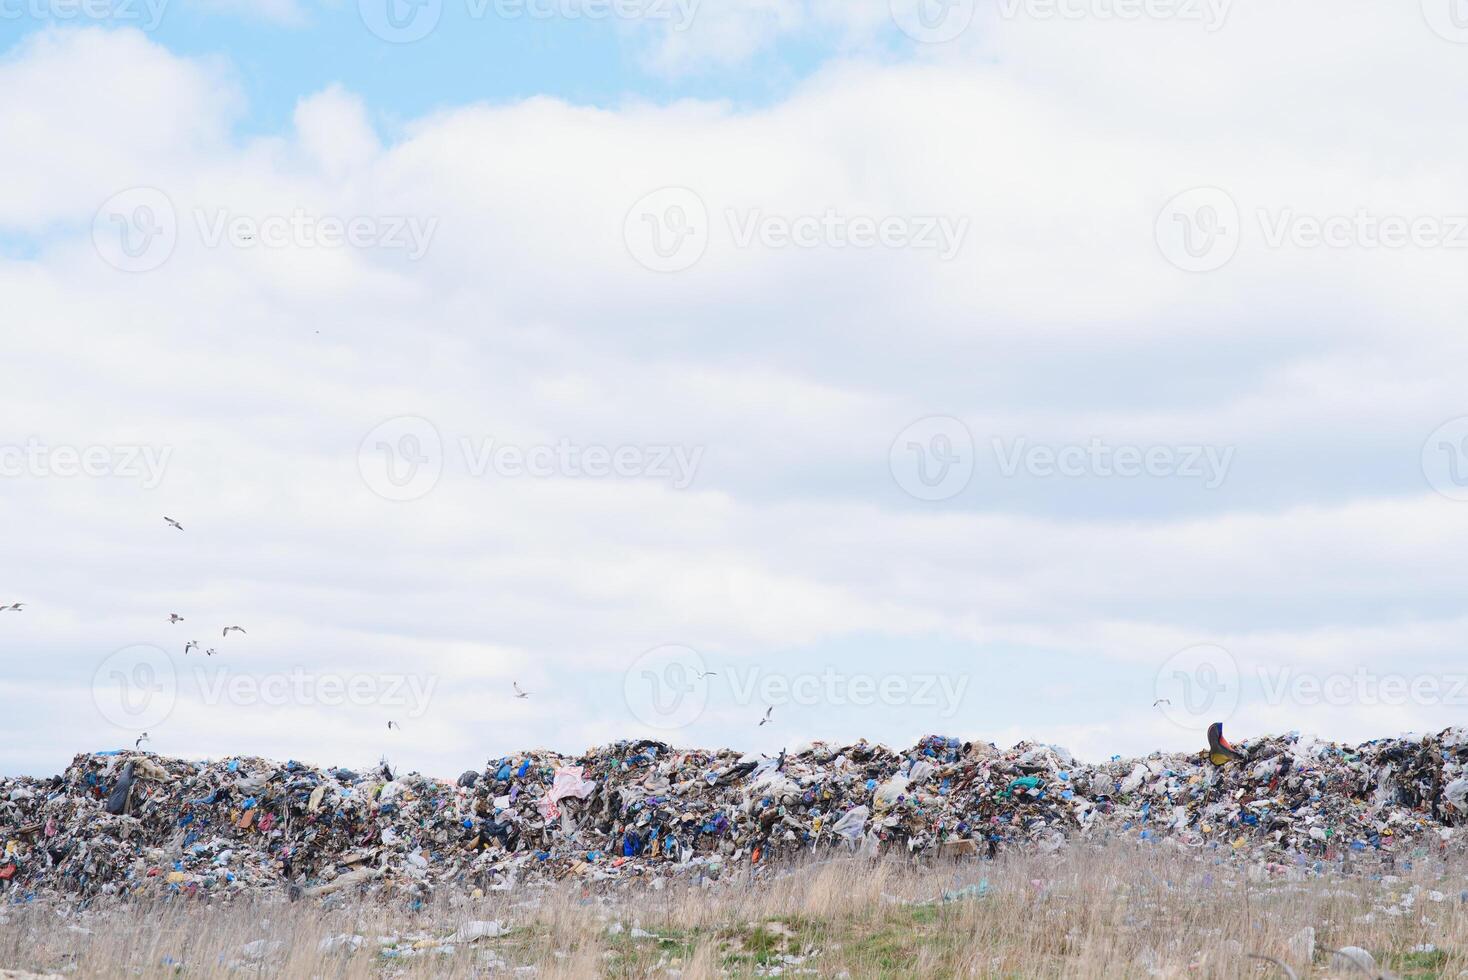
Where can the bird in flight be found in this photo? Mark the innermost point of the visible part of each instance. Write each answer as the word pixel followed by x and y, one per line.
pixel 239 629
pixel 191 645
pixel 519 693
pixel 210 652
pixel 704 673
pixel 392 724
pixel 767 719
pixel 173 523
pixel 13 607
pixel 141 739
pixel 1161 701
pixel 175 618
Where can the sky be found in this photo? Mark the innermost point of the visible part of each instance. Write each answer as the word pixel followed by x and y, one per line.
pixel 1081 371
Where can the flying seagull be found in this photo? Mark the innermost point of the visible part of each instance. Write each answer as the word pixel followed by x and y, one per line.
pixel 13 607
pixel 210 652
pixel 519 693
pixel 1161 701
pixel 227 629
pixel 173 523
pixel 392 724
pixel 191 645
pixel 141 739
pixel 175 618
pixel 767 719
pixel 704 673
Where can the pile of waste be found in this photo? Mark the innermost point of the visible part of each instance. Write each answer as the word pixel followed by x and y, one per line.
pixel 130 823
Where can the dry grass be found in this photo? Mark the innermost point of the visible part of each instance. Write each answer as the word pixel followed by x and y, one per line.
pixel 1119 911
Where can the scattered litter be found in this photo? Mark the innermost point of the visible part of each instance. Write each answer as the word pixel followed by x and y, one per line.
pixel 1353 958
pixel 124 822
pixel 471 931
pixel 343 943
pixel 981 890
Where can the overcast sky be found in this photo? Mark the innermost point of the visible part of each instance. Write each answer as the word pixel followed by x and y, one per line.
pixel 995 370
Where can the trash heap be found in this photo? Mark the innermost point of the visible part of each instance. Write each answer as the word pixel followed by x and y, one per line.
pixel 131 823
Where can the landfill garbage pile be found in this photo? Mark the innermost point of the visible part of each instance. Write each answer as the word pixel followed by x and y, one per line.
pixel 131 823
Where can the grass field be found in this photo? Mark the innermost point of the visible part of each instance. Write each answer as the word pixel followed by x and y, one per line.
pixel 1119 911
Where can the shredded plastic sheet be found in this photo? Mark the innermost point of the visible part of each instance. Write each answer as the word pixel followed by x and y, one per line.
pixel 567 782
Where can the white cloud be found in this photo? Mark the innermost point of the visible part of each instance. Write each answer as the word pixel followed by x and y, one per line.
pixel 334 132
pixel 791 370
pixel 104 110
pixel 719 34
